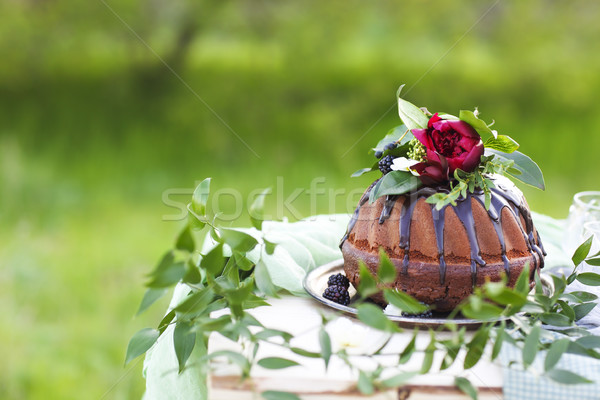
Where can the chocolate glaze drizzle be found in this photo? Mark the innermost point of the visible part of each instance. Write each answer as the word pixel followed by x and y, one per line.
pixel 504 195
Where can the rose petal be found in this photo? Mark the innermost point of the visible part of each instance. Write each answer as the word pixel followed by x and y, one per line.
pixel 434 118
pixel 432 173
pixel 473 158
pixel 422 136
pixel 464 129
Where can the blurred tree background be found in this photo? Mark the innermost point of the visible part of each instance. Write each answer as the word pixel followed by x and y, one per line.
pixel 106 105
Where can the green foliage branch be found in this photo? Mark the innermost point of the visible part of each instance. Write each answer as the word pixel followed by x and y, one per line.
pixel 224 282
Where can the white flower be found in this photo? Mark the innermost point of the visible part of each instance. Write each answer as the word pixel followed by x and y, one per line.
pixel 354 337
pixel 404 164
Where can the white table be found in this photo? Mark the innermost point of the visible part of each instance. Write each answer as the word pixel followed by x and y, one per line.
pixel 302 318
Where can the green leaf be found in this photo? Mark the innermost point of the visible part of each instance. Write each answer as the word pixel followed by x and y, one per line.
pixel 398 380
pixel 530 346
pixel 276 363
pixel 305 353
pixel 269 246
pixel 263 280
pixel 500 334
pixel 374 317
pixel 325 343
pixel 165 262
pixel 234 357
pixel 522 284
pixel 555 352
pixel 277 395
pixel 566 310
pixel 593 261
pixel 387 271
pixel 450 356
pixel 213 262
pixel 484 311
pixel 365 385
pixel 506 296
pixel 560 283
pixel 475 347
pixel 566 377
pixel 555 319
pixel 466 387
pixel 581 310
pixel 394 183
pixel 257 207
pixel 539 288
pixel 192 273
pixel 200 197
pixel 269 333
pixel 361 172
pixel 502 143
pixel 167 276
pixel 589 342
pixel 367 285
pixel 185 240
pixel 409 349
pixel 582 251
pixel 404 301
pixel 140 342
pixel 238 240
pixel 150 297
pixel 216 324
pixel 589 278
pixel 544 301
pixel 412 116
pixel 164 323
pixel 395 134
pixel 530 172
pixel 242 262
pixel 196 302
pixel 239 294
pixel 184 341
pixel 479 125
pixel 576 348
pixel 584 296
pixel 428 356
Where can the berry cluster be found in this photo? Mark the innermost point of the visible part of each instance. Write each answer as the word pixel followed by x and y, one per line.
pixel 426 314
pixel 385 164
pixel 337 290
pixel 338 280
pixel 389 146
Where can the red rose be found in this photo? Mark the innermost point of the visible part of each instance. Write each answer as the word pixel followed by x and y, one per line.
pixel 450 145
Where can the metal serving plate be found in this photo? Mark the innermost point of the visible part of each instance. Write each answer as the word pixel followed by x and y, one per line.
pixel 315 284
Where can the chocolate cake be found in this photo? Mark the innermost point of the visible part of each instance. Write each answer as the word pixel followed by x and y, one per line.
pixel 441 255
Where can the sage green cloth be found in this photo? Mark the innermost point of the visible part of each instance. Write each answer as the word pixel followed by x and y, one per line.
pixel 301 246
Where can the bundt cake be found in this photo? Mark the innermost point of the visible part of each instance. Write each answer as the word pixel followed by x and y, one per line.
pixel 440 255
pixel 443 210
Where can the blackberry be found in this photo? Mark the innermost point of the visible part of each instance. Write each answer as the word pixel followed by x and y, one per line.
pixel 337 294
pixel 426 314
pixel 338 280
pixel 385 164
pixel 378 154
pixel 390 146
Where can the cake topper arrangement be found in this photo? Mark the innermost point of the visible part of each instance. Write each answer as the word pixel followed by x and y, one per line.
pixel 460 154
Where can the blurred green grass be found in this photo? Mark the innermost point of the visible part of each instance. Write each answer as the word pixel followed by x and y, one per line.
pixel 95 129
